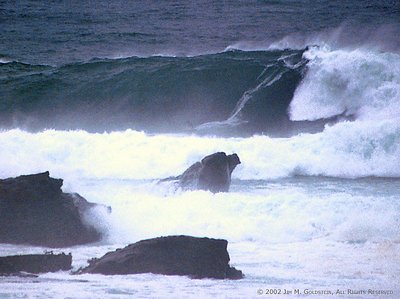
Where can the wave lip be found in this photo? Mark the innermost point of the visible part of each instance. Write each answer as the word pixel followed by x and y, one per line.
pixel 4 60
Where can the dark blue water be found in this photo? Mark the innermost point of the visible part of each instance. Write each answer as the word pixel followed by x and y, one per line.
pixel 59 32
pixel 174 66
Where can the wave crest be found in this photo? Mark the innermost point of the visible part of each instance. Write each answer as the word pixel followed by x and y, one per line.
pixel 365 85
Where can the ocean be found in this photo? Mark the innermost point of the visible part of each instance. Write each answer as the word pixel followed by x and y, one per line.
pixel 113 96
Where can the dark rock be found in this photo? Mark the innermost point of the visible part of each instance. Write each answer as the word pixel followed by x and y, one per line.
pixel 34 263
pixel 213 173
pixel 173 255
pixel 34 210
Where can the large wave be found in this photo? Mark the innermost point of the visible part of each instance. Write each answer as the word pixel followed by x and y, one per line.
pixel 155 94
pixel 360 88
pixel 233 93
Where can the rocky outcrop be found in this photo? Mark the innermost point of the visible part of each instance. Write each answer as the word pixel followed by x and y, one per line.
pixel 34 263
pixel 212 173
pixel 173 255
pixel 34 210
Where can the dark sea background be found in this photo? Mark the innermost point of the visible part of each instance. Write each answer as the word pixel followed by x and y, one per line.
pixel 113 95
pixel 66 32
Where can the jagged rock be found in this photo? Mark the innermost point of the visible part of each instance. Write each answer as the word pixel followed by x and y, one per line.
pixel 34 210
pixel 34 263
pixel 213 173
pixel 172 255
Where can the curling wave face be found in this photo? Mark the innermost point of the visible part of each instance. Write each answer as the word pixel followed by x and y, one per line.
pixel 154 94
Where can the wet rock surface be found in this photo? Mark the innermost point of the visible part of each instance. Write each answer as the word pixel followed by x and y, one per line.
pixel 34 263
pixel 212 173
pixel 35 211
pixel 172 255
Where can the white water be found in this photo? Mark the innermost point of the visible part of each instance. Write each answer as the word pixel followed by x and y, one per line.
pixel 300 233
pixel 348 149
pixel 361 83
pixel 283 231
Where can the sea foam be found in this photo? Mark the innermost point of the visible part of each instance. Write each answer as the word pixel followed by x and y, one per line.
pixel 347 149
pixel 363 84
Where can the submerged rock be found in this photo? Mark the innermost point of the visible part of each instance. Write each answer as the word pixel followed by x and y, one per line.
pixel 34 210
pixel 173 255
pixel 212 173
pixel 34 263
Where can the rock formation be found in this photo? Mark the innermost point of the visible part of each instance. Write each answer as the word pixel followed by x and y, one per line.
pixel 173 255
pixel 34 263
pixel 213 173
pixel 34 210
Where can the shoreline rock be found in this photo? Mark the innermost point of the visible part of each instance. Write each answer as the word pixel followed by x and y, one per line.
pixel 172 255
pixel 35 211
pixel 34 263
